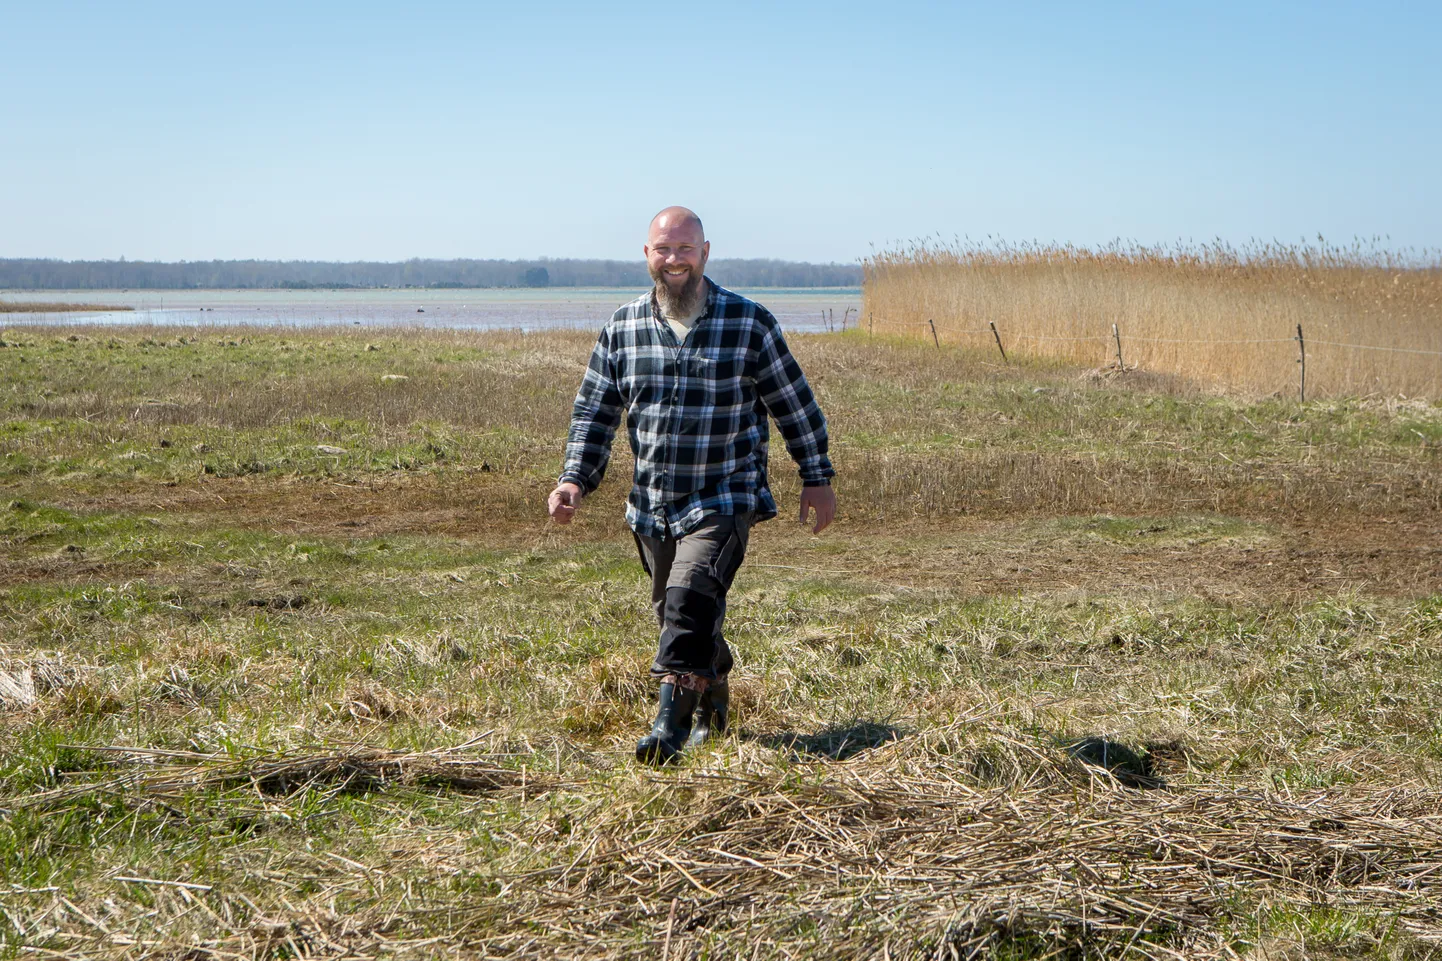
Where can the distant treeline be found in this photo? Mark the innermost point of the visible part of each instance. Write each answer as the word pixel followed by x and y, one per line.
pixel 303 274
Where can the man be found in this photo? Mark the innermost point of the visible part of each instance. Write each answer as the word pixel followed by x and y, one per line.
pixel 697 369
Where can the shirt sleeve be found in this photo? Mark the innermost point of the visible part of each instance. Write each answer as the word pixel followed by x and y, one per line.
pixel 783 390
pixel 594 418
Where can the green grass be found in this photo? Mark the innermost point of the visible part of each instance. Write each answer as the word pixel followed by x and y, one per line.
pixel 1244 593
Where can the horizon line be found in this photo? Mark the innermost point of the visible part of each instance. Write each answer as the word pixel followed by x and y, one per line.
pixel 414 260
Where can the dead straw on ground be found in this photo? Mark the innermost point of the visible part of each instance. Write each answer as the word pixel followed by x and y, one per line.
pixel 910 850
pixel 162 774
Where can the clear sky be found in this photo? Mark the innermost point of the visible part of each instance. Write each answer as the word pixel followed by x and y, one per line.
pixel 808 131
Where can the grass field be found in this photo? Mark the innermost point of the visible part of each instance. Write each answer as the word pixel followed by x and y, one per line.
pixel 292 665
pixel 1371 319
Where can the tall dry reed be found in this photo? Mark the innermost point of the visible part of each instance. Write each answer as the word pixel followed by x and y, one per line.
pixel 1227 317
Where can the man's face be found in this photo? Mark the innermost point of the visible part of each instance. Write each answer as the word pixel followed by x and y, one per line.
pixel 676 255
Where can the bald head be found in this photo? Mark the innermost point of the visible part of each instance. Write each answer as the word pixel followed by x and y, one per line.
pixel 676 250
pixel 678 218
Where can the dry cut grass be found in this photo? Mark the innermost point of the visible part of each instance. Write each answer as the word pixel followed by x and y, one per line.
pixel 922 850
pixel 1372 321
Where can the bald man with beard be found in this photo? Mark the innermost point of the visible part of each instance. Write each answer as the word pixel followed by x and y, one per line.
pixel 697 370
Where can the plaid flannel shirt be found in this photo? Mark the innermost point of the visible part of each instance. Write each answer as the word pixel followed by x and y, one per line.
pixel 696 413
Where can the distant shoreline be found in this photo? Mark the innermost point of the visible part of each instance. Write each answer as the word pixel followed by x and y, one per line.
pixel 540 274
pixel 356 288
pixel 46 307
pixel 797 308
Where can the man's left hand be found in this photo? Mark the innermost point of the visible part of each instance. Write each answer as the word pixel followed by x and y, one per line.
pixel 821 499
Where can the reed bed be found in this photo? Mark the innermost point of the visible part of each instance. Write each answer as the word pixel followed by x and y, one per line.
pixel 50 307
pixel 1219 316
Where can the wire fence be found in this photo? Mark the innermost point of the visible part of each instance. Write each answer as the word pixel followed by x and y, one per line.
pixel 1116 338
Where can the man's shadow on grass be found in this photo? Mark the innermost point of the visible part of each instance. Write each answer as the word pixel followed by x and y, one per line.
pixel 845 740
pixel 838 742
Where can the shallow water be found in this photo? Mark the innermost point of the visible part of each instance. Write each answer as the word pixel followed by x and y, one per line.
pixel 585 308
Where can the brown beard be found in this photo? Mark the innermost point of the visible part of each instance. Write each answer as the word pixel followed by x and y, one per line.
pixel 684 302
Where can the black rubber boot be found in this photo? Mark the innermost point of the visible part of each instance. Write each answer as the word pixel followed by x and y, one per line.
pixel 712 713
pixel 672 727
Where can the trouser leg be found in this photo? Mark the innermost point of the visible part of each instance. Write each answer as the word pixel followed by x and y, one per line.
pixel 690 577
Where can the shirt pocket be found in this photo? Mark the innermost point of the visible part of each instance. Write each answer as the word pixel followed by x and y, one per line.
pixel 720 376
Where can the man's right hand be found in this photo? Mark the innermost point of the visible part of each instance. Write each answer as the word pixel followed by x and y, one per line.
pixel 563 502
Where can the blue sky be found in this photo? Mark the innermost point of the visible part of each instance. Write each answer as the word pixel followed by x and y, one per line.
pixel 811 131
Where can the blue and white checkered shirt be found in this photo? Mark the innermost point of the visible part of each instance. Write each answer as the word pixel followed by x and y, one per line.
pixel 696 413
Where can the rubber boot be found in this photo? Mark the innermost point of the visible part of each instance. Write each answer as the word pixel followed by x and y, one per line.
pixel 671 728
pixel 712 713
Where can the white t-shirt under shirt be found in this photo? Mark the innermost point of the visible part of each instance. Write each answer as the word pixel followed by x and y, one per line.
pixel 682 325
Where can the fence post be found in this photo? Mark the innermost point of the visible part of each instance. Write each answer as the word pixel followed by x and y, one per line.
pixel 934 339
pixel 992 325
pixel 1117 335
pixel 1302 359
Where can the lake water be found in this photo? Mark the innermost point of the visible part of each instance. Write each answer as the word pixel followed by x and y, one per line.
pixel 585 308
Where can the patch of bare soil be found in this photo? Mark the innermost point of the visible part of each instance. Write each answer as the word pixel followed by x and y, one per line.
pixel 1291 558
pixel 1297 556
pixel 1294 560
pixel 497 509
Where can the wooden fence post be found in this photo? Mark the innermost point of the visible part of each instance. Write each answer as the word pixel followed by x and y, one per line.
pixel 934 339
pixel 1302 359
pixel 992 325
pixel 1117 335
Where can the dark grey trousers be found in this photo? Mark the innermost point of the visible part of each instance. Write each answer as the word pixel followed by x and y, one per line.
pixel 690 576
